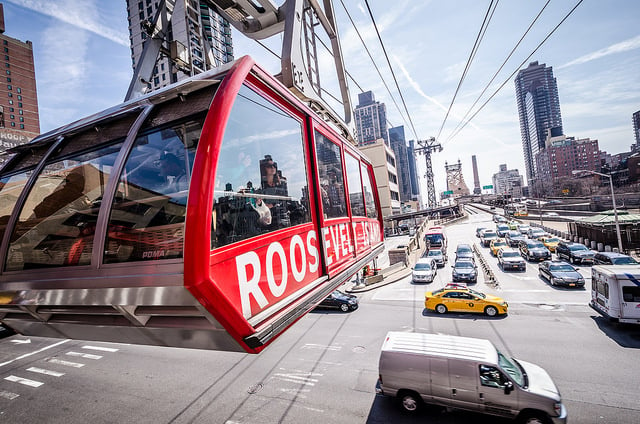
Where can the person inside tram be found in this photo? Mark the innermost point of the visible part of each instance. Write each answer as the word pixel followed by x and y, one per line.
pixel 273 188
pixel 174 173
pixel 333 195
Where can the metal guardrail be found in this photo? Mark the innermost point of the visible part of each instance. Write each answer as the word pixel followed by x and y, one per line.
pixel 489 276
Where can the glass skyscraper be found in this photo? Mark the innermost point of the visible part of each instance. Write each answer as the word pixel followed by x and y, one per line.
pixel 538 110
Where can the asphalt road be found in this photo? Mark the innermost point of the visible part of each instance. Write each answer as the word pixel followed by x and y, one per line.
pixel 324 368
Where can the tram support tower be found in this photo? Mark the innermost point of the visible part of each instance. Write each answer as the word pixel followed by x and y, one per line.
pixel 455 180
pixel 426 148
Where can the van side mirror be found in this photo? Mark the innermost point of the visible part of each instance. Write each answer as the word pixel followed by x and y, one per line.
pixel 508 387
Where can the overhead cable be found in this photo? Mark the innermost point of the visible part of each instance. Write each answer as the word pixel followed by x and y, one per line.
pixel 518 68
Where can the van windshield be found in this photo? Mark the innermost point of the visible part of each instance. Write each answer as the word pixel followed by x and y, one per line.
pixel 512 369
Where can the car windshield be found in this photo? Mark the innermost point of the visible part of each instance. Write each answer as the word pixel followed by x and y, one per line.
pixel 503 227
pixel 463 250
pixel 536 245
pixel 513 234
pixel 434 238
pixel 628 260
pixel 577 247
pixel 511 368
pixel 561 267
pixel 510 254
pixel 463 264
pixel 434 253
pixel 490 234
pixel 551 240
pixel 500 243
pixel 422 266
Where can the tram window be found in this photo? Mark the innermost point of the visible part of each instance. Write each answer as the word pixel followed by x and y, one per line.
pixel 369 198
pixel 631 294
pixel 149 208
pixel 10 189
pixel 261 178
pixel 355 187
pixel 58 220
pixel 331 180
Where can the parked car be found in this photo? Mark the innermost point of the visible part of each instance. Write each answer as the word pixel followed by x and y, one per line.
pixel 560 273
pixel 535 233
pixel 549 242
pixel 496 218
pixel 502 229
pixel 496 245
pixel 465 270
pixel 487 236
pixel 463 299
pixel 575 252
pixel 339 300
pixel 613 258
pixel 464 251
pixel 424 271
pixel 524 228
pixel 513 237
pixel 437 256
pixel 511 259
pixel 479 231
pixel 534 250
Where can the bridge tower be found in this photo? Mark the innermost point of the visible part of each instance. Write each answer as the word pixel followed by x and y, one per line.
pixel 426 147
pixel 455 180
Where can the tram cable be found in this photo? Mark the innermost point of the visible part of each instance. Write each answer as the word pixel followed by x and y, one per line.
pixel 518 68
pixel 483 28
pixel 497 72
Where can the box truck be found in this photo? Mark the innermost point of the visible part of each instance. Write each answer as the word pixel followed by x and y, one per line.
pixel 466 373
pixel 615 292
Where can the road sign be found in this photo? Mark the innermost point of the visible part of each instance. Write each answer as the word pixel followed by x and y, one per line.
pixel 487 187
pixel 448 192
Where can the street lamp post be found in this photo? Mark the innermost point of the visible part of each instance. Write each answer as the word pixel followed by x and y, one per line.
pixel 613 200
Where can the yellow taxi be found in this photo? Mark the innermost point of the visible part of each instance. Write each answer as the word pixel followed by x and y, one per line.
pixel 460 298
pixel 496 245
pixel 550 242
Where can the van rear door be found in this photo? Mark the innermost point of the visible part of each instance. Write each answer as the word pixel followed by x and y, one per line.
pixel 630 296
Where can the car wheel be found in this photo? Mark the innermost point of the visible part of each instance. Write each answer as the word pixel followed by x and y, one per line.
pixel 344 307
pixel 441 309
pixel 410 402
pixel 534 418
pixel 491 311
pixel 552 281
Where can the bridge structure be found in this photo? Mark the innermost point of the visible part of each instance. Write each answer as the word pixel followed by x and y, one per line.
pixel 455 180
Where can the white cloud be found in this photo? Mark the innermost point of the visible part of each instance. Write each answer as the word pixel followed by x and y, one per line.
pixel 627 45
pixel 82 15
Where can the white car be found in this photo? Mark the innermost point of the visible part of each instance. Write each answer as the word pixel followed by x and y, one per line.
pixel 424 271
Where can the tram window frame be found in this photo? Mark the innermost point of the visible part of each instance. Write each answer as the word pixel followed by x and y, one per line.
pixel 370 195
pixel 331 177
pixel 354 184
pixel 59 230
pixel 242 211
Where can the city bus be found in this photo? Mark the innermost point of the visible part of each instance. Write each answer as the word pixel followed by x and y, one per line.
pixel 213 214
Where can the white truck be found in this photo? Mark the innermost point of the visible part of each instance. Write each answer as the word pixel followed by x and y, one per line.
pixel 615 292
pixel 466 373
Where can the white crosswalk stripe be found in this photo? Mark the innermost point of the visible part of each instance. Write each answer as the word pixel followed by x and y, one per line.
pixel 84 355
pixel 104 349
pixel 8 395
pixel 65 363
pixel 25 381
pixel 46 372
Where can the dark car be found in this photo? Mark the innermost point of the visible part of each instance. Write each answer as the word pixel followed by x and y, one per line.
pixel 502 229
pixel 560 273
pixel 487 236
pixel 533 250
pixel 575 253
pixel 479 231
pixel 514 237
pixel 465 270
pixel 511 259
pixel 613 258
pixel 463 251
pixel 339 300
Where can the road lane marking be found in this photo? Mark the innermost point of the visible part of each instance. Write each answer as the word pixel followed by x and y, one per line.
pixel 104 349
pixel 45 372
pixel 65 363
pixel 34 352
pixel 8 395
pixel 319 346
pixel 25 381
pixel 84 355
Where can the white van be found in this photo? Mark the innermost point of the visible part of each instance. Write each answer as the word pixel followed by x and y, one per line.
pixel 466 373
pixel 615 292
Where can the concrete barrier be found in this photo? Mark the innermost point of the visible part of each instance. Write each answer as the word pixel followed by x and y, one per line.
pixel 600 247
pixel 607 248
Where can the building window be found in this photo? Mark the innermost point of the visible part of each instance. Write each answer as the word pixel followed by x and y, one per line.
pixel 9 87
pixel 5 42
pixel 21 126
pixel 8 71
pixel 20 111
pixel 8 79
pixel 19 103
pixel 10 102
pixel 19 90
pixel 6 50
pixel 13 124
pixel 22 119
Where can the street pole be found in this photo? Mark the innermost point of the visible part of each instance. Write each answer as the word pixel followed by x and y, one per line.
pixel 615 213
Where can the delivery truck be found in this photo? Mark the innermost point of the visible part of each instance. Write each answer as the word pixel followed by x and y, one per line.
pixel 466 373
pixel 615 292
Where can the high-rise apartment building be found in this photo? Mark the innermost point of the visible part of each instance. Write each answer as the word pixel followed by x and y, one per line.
pixel 19 118
pixel 563 155
pixel 370 119
pixel 413 172
pixel 399 147
pixel 538 110
pixel 636 131
pixel 201 34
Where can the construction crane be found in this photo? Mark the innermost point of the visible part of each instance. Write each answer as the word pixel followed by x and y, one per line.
pixel 426 148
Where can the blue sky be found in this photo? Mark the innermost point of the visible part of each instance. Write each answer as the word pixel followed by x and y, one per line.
pixel 83 65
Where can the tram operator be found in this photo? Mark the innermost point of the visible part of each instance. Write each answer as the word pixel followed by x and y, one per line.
pixel 173 170
pixel 273 187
